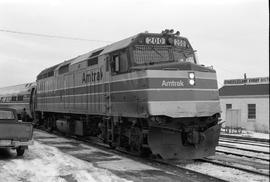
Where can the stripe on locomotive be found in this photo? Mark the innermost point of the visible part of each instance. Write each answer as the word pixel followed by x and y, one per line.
pixel 132 84
pixel 134 109
pixel 150 94
pixel 154 76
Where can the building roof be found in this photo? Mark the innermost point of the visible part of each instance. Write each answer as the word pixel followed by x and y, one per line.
pixel 245 89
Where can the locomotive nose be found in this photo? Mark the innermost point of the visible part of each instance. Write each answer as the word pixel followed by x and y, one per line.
pixel 173 145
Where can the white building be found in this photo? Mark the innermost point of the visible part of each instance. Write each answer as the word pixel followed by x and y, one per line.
pixel 245 103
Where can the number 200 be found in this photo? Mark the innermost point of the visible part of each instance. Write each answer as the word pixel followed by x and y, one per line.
pixel 154 40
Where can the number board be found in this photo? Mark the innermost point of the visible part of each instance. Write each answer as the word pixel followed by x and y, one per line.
pixel 180 42
pixel 155 40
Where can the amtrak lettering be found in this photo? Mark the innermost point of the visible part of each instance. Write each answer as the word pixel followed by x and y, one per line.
pixel 172 83
pixel 92 76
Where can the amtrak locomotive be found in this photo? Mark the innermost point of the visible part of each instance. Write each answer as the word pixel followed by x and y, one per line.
pixel 145 94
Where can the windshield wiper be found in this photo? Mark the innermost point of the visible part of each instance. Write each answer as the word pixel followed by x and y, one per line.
pixel 156 51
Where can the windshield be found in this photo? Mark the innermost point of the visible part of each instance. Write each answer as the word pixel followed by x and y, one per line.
pixel 150 54
pixel 6 115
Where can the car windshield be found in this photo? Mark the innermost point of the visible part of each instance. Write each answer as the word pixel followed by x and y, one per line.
pixel 6 115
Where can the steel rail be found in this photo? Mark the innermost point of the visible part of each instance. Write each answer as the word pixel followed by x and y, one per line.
pixel 231 166
pixel 245 143
pixel 246 138
pixel 241 155
pixel 240 148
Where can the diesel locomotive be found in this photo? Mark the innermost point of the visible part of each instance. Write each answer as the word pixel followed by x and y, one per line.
pixel 146 94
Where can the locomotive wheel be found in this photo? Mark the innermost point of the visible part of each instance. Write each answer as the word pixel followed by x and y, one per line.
pixel 136 141
pixel 112 146
pixel 50 123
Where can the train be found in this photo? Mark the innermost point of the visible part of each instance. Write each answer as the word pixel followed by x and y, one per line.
pixel 146 94
pixel 19 97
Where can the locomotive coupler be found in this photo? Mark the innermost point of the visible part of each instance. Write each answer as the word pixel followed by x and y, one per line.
pixel 193 138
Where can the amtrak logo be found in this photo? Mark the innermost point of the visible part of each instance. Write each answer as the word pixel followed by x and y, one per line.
pixel 92 76
pixel 172 83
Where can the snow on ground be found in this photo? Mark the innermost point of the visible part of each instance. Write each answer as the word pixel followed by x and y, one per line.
pixel 43 163
pixel 121 164
pixel 57 139
pixel 248 134
pixel 124 165
pixel 225 173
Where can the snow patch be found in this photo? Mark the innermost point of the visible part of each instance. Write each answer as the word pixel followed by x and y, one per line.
pixel 44 163
pixel 124 165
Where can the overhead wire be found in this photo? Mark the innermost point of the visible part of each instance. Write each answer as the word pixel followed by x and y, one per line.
pixel 52 36
pixel 66 37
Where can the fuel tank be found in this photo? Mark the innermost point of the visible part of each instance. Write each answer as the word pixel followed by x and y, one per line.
pixel 62 125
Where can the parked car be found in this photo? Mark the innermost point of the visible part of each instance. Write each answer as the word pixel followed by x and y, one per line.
pixel 13 133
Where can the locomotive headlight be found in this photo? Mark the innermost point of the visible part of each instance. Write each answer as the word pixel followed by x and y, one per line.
pixel 192 82
pixel 191 75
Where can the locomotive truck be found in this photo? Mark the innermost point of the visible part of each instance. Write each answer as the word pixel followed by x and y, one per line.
pixel 146 94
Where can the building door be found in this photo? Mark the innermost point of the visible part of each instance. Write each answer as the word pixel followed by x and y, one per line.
pixel 233 118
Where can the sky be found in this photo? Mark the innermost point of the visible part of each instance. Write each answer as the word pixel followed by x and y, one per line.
pixel 230 35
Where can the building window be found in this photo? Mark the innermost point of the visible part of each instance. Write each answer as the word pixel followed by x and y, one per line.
pixel 13 98
pixel 228 106
pixel 20 98
pixel 251 111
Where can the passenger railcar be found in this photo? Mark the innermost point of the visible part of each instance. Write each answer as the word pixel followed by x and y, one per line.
pixel 19 97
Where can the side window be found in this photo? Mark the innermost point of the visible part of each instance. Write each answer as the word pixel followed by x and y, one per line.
pixel 107 61
pixel 20 97
pixel 120 63
pixel 116 64
pixel 251 111
pixel 123 62
pixel 13 98
pixel 228 106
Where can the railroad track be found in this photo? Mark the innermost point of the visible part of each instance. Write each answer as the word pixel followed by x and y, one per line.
pixel 225 164
pixel 151 161
pixel 245 138
pixel 242 155
pixel 173 166
pixel 259 144
pixel 244 146
pixel 241 148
